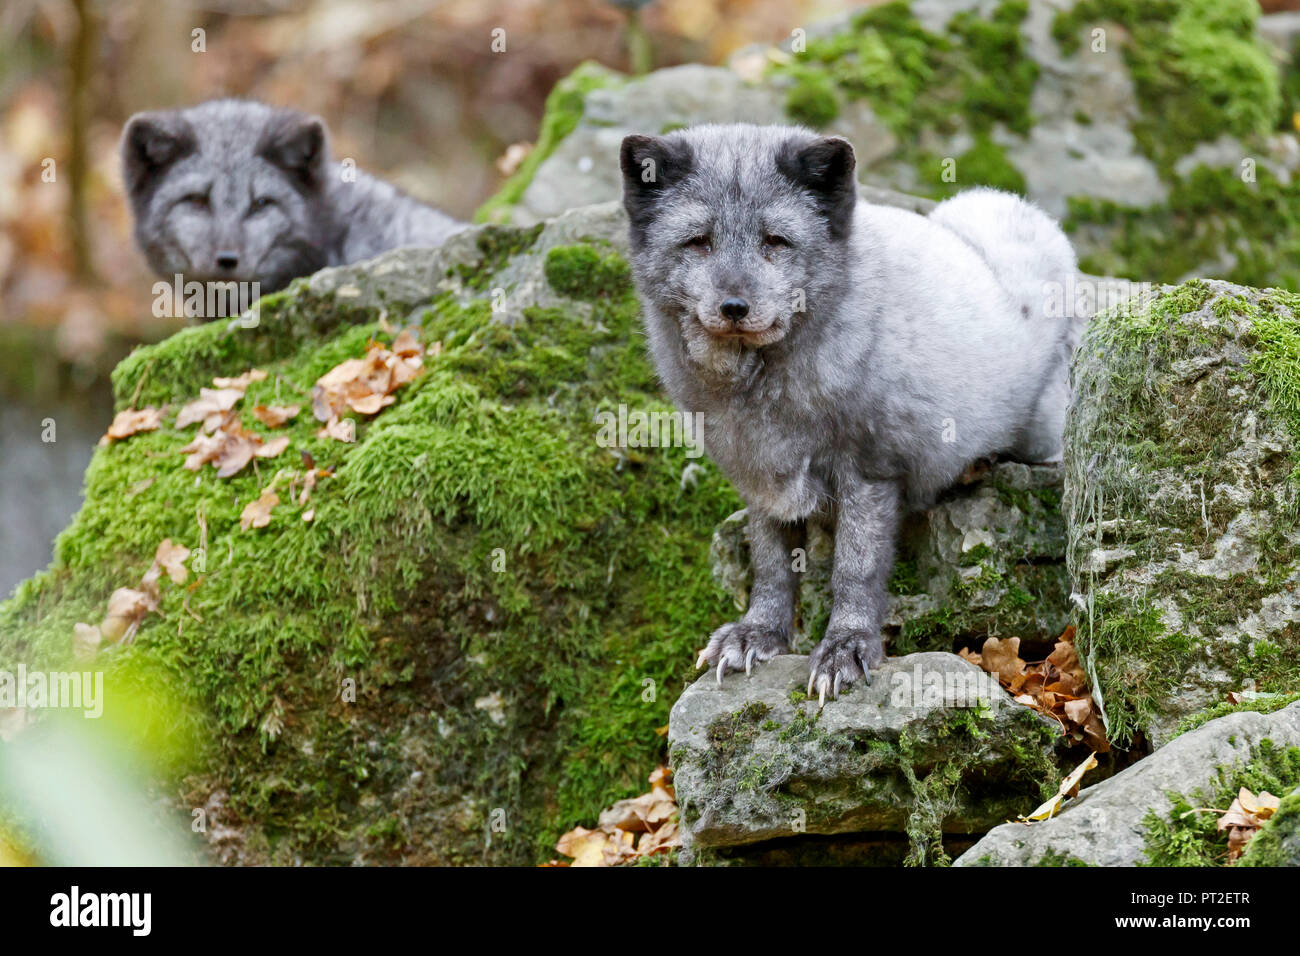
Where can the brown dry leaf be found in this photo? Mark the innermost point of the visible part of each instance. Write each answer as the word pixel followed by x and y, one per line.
pixel 1002 657
pixel 340 429
pixel 632 828
pixel 407 344
pixel 257 514
pixel 236 452
pixel 366 385
pixel 1056 687
pixel 273 416
pixel 1069 786
pixel 203 449
pixel 171 558
pixel 272 448
pixel 1079 710
pixel 370 403
pixel 1262 807
pixel 587 847
pixel 211 403
pixel 132 420
pixel 126 608
pixel 241 382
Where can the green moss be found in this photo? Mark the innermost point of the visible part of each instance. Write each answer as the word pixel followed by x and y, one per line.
pixel 563 111
pixel 1052 858
pixel 583 272
pixel 1259 705
pixel 1197 65
pixel 986 164
pixel 976 75
pixel 1186 837
pixel 474 541
pixel 1209 210
pixel 811 99
pixel 496 246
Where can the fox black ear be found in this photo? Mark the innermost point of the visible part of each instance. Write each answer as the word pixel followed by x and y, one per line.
pixel 150 143
pixel 298 144
pixel 825 168
pixel 650 165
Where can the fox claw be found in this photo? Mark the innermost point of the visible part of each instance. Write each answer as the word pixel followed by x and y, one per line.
pixel 738 645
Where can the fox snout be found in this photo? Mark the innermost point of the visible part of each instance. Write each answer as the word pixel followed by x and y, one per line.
pixel 733 309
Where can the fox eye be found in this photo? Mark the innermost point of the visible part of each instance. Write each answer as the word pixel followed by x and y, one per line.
pixel 196 199
pixel 262 202
pixel 771 241
pixel 700 244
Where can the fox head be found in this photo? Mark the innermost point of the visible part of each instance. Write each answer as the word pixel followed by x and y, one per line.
pixel 734 229
pixel 229 191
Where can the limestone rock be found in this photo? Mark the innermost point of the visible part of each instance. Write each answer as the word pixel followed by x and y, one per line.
pixel 1181 482
pixel 1108 824
pixel 931 745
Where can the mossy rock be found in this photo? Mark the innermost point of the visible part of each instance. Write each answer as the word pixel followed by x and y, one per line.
pixel 1152 813
pixel 470 647
pixel 1182 462
pixel 987 560
pixel 931 749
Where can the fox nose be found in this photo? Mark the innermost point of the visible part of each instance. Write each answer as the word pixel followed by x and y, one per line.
pixel 227 260
pixel 734 308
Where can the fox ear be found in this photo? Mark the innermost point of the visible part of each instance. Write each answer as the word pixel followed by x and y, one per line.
pixel 825 169
pixel 650 165
pixel 150 143
pixel 298 144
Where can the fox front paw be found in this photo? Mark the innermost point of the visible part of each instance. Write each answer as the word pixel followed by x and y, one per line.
pixel 841 658
pixel 738 645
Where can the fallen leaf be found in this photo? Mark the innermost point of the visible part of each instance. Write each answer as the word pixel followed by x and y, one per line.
pixel 257 514
pixel 272 448
pixel 241 382
pixel 126 608
pixel 273 416
pixel 1068 786
pixel 209 403
pixel 130 421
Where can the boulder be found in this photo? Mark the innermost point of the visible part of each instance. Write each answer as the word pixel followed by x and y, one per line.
pixel 1140 815
pixel 470 645
pixel 1066 102
pixel 1182 445
pixel 931 747
pixel 988 560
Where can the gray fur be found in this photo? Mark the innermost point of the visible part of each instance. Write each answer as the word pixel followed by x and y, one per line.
pixel 923 346
pixel 239 180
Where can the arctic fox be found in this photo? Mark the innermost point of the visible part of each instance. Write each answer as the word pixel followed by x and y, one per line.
pixel 849 360
pixel 238 191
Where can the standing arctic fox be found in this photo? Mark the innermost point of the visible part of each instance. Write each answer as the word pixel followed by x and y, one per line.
pixel 849 360
pixel 238 191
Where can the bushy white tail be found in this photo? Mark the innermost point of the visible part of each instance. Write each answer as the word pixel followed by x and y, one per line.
pixel 1023 246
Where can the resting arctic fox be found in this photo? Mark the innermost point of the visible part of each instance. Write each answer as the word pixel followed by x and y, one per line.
pixel 235 190
pixel 849 360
